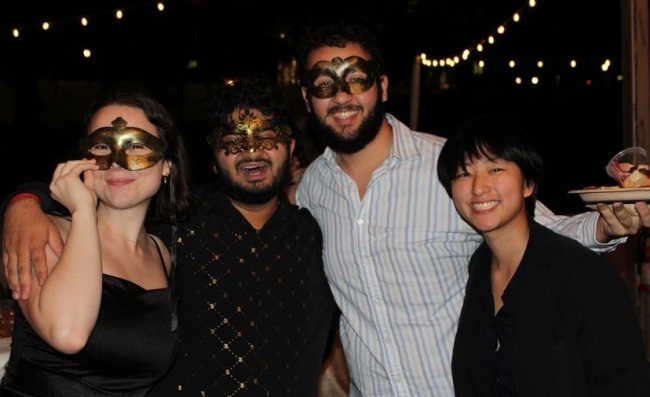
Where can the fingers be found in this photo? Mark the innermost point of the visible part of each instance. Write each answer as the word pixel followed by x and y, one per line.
pixel 619 221
pixel 39 262
pixel 25 234
pixel 67 186
pixel 644 213
pixel 608 217
pixel 73 168
pixel 10 266
pixel 89 179
pixel 17 271
pixel 625 218
pixel 10 254
pixel 24 275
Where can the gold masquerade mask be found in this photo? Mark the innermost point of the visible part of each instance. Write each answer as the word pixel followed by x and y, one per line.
pixel 250 133
pixel 353 75
pixel 131 148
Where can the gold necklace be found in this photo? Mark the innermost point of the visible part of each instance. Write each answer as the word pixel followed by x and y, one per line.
pixel 124 237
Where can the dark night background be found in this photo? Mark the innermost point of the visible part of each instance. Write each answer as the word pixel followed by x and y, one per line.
pixel 45 82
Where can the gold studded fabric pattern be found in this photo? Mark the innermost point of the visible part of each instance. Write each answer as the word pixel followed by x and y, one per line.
pixel 255 307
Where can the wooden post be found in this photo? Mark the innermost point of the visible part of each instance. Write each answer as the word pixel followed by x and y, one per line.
pixel 415 94
pixel 636 128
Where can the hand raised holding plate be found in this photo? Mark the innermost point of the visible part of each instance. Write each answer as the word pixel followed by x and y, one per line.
pixel 616 220
pixel 623 208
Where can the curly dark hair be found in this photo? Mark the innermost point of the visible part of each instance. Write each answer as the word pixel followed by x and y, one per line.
pixel 339 34
pixel 162 208
pixel 252 93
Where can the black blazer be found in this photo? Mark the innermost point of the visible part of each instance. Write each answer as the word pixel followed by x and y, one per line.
pixel 577 332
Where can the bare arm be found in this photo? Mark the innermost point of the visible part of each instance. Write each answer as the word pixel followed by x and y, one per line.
pixel 27 230
pixel 63 311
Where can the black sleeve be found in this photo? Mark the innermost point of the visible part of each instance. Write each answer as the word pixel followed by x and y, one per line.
pixel 41 190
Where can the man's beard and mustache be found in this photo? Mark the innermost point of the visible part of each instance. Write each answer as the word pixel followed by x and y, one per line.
pixel 254 193
pixel 349 144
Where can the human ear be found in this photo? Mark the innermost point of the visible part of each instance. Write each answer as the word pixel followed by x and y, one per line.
pixel 305 97
pixel 383 81
pixel 167 168
pixel 529 188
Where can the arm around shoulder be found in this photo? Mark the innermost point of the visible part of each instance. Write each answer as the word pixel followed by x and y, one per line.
pixel 26 232
pixel 39 191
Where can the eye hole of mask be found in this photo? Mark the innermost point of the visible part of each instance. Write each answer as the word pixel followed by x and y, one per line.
pixel 131 149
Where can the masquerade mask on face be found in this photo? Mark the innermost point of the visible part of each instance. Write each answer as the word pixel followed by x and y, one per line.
pixel 250 133
pixel 353 75
pixel 131 148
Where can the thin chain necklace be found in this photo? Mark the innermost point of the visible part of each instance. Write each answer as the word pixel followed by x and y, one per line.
pixel 124 237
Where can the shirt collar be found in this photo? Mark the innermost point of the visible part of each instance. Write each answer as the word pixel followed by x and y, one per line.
pixel 404 146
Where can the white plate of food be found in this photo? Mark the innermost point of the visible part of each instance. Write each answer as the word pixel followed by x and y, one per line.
pixel 610 194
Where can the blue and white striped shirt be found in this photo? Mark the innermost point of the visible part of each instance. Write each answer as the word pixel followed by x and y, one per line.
pixel 397 264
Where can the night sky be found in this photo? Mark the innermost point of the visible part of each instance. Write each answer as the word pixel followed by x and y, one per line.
pixel 243 38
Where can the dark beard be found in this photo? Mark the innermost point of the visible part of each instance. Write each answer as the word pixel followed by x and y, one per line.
pixel 365 134
pixel 254 194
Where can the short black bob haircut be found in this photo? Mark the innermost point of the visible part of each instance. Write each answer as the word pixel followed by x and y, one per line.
pixel 491 137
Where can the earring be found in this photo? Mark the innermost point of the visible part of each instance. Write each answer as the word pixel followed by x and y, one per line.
pixel 165 179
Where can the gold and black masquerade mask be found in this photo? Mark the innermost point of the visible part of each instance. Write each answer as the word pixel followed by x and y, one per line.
pixel 131 148
pixel 353 75
pixel 249 133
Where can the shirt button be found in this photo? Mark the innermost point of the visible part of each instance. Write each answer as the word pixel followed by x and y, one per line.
pixel 388 341
pixel 376 301
pixel 359 221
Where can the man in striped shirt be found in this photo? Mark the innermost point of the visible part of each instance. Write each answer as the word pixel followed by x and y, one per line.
pixel 395 249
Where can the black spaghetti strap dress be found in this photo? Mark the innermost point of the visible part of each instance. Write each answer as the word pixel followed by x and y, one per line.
pixel 132 346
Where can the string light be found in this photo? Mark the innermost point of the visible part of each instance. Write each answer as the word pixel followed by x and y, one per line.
pixel 605 66
pixel 437 62
pixel 501 29
pixel 85 20
pixel 479 47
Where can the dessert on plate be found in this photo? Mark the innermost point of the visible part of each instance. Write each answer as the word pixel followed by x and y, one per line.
pixel 630 168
